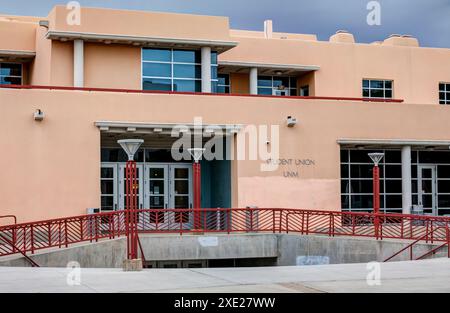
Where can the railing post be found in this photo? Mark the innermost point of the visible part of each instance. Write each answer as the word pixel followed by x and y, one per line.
pixel 411 253
pixel 448 240
pixel 81 229
pixel 229 220
pixel 59 234
pixel 96 228
pixel 273 221
pixel 49 235
pixel 280 222
pixel 32 239
pixel 307 223
pixel 65 233
pixel 14 238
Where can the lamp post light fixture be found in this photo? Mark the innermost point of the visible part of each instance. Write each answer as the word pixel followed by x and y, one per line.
pixel 197 155
pixel 376 158
pixel 131 146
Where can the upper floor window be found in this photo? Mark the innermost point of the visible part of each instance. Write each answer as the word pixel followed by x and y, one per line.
pixel 223 84
pixel 10 73
pixel 174 70
pixel 304 91
pixel 376 88
pixel 444 93
pixel 277 86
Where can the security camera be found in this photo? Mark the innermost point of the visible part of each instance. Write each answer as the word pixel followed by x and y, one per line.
pixel 291 121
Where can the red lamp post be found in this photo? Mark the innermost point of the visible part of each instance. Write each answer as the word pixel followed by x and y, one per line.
pixel 131 146
pixel 376 158
pixel 197 155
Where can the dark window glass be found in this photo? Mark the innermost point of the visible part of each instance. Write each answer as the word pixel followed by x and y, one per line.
pixel 345 186
pixel 11 81
pixel 162 55
pixel 264 91
pixel 10 69
pixel 293 92
pixel 393 156
pixel 362 201
pixel 118 155
pixel 281 81
pixel 361 156
pixel 362 186
pixel 376 93
pixel 393 201
pixel 223 89
pixel 224 79
pixel 107 203
pixel 265 81
pixel 213 72
pixel 365 83
pixel 388 84
pixel 393 186
pixel 344 155
pixel 156 84
pixel 157 69
pixel 107 172
pixel 376 84
pixel 293 82
pixel 441 87
pixel 443 171
pixel 393 171
pixel 434 157
pixel 187 85
pixel 362 171
pixel 344 171
pixel 213 57
pixel 345 202
pixel 442 96
pixel 187 71
pixel 366 93
pixel 304 91
pixel 443 186
pixel 388 94
pixel 107 186
pixel 186 56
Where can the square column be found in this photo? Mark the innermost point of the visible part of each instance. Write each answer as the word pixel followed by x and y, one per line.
pixel 206 69
pixel 406 180
pixel 253 81
pixel 78 63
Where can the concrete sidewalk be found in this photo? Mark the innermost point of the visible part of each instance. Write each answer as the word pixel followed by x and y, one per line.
pixel 410 276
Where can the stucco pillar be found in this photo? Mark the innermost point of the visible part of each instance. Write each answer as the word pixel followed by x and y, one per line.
pixel 406 180
pixel 253 81
pixel 78 63
pixel 206 69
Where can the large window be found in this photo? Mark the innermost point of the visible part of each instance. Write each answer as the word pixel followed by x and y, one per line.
pixel 444 93
pixel 223 84
pixel 375 88
pixel 174 70
pixel 277 85
pixel 357 189
pixel 10 73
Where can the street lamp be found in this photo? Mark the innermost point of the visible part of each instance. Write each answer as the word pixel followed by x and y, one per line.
pixel 376 158
pixel 197 155
pixel 131 146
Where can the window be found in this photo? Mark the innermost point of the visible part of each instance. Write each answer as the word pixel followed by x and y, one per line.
pixel 10 74
pixel 304 91
pixel 372 88
pixel 174 70
pixel 277 85
pixel 444 93
pixel 223 84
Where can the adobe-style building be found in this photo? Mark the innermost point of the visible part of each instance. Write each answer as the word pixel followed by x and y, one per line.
pixel 70 90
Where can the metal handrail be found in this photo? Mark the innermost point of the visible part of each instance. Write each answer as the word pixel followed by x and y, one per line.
pixel 424 237
pixel 61 232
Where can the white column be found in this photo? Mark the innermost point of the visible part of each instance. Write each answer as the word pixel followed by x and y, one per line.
pixel 406 180
pixel 253 81
pixel 78 63
pixel 206 69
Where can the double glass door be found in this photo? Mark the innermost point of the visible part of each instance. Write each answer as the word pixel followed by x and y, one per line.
pixel 427 191
pixel 160 186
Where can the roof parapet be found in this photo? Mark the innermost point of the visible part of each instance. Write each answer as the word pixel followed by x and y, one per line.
pixel 401 40
pixel 342 36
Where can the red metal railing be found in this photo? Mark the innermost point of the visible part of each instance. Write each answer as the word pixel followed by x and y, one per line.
pixel 31 237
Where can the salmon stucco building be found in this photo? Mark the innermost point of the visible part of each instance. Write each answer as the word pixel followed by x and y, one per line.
pixel 69 91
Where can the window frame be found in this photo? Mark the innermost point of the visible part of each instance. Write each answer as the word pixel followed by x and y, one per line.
pixel 272 87
pixel 173 63
pixel 12 76
pixel 446 92
pixel 384 89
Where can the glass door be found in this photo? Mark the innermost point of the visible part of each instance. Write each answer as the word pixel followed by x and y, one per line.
pixel 108 185
pixel 122 190
pixel 181 193
pixel 426 186
pixel 156 195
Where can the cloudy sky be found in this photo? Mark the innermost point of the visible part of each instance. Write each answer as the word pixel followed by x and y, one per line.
pixel 428 20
